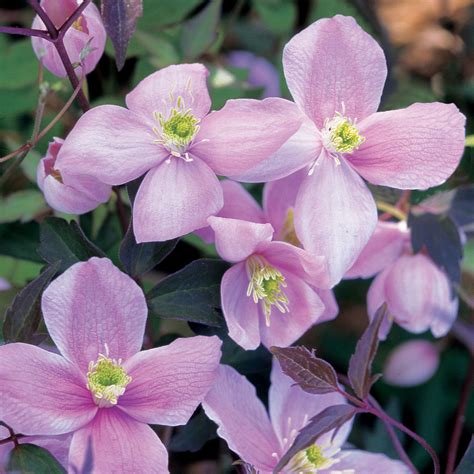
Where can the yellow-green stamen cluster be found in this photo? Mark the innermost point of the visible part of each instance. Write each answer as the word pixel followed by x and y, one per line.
pixel 341 135
pixel 309 460
pixel 107 379
pixel 266 285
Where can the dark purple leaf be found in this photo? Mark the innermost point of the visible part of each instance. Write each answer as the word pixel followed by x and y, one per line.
pixel 466 466
pixel 22 318
pixel 313 375
pixel 332 418
pixel 120 18
pixel 360 365
pixel 439 235
pixel 462 206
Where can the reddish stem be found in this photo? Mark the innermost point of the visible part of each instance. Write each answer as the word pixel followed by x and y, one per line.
pixel 456 435
pixel 14 30
pixel 53 32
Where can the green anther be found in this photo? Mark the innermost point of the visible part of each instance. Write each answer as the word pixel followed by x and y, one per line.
pixel 266 285
pixel 345 137
pixel 315 456
pixel 107 380
pixel 180 128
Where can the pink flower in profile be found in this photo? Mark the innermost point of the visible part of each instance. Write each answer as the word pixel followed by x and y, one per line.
pixel 261 72
pixel 58 446
pixel 102 389
pixel 418 294
pixel 261 440
pixel 267 295
pixel 277 210
pixel 336 72
pixel 82 195
pixel 167 133
pixel 84 39
pixel 411 363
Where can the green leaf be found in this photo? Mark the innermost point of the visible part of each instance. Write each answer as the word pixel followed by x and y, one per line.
pixel 470 140
pixel 19 66
pixel 31 459
pixel 200 32
pixel 65 242
pixel 191 294
pixel 22 206
pixel 164 12
pixel 24 315
pixel 162 51
pixel 20 240
pixel 15 102
pixel 141 258
pixel 278 16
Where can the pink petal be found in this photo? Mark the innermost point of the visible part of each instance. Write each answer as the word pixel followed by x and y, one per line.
pixel 168 383
pixel 331 308
pixel 383 248
pixel 119 444
pixel 91 305
pixel 298 151
pixel 334 66
pixel 242 420
pixel 291 408
pixel 174 199
pixel 279 197
pixel 41 393
pixel 419 296
pixel 237 239
pixel 238 204
pixel 376 298
pixel 288 258
pixel 411 363
pixel 363 462
pixel 413 148
pixel 305 309
pixel 335 215
pixel 240 311
pixel 160 91
pixel 244 133
pixel 111 144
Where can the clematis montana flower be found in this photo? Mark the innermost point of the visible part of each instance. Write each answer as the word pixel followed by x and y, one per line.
pixel 261 440
pixel 84 195
pixel 336 72
pixel 102 389
pixel 167 133
pixel 411 363
pixel 261 73
pixel 278 202
pixel 418 294
pixel 84 41
pixel 267 295
pixel 58 446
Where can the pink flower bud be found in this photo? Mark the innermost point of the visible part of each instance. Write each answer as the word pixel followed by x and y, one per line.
pixel 84 40
pixel 86 193
pixel 411 363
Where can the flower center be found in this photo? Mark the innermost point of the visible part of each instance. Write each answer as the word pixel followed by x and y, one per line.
pixel 266 285
pixel 287 232
pixel 177 130
pixel 107 380
pixel 340 135
pixel 310 460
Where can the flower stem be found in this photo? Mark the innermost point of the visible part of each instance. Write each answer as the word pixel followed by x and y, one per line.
pixel 392 210
pixel 14 30
pixel 456 435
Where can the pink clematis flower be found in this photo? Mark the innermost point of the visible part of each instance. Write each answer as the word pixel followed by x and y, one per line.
pixel 58 446
pixel 261 72
pixel 278 203
pixel 268 294
pixel 411 363
pixel 84 41
pixel 261 440
pixel 336 72
pixel 82 195
pixel 167 133
pixel 102 389
pixel 418 294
